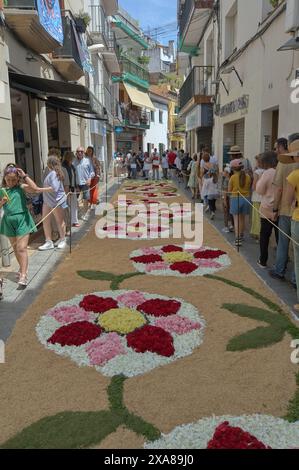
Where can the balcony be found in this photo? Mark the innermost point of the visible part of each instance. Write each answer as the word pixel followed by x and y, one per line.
pixel 197 88
pixel 132 72
pixel 99 27
pixel 23 18
pixel 66 59
pixel 193 13
pixel 127 31
pixel 135 117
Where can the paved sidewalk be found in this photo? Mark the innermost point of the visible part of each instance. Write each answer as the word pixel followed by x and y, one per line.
pixel 41 266
pixel 250 251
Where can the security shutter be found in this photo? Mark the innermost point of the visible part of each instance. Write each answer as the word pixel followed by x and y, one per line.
pixel 239 137
pixel 204 138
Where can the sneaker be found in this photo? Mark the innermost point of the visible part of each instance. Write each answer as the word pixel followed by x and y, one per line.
pixel 23 281
pixel 85 218
pixel 274 275
pixel 225 230
pixel 238 242
pixel 231 228
pixel 49 245
pixel 212 216
pixel 62 244
pixel 263 266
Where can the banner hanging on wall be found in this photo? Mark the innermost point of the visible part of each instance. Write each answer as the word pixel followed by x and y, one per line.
pixel 50 18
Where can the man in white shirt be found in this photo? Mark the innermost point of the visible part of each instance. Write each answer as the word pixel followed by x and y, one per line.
pixel 84 172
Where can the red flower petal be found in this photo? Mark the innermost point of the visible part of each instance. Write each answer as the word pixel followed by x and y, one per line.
pixel 228 437
pixel 93 303
pixel 171 248
pixel 147 259
pixel 184 267
pixel 152 339
pixel 75 334
pixel 159 307
pixel 209 254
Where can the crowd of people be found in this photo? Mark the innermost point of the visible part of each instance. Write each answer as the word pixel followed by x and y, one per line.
pixel 64 181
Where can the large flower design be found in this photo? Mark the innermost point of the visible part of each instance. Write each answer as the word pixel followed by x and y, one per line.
pixel 230 432
pixel 122 332
pixel 177 260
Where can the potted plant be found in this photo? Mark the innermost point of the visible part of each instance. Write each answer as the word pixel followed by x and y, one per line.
pixel 144 60
pixel 82 21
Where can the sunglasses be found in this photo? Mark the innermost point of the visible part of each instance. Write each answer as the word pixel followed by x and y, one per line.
pixel 11 169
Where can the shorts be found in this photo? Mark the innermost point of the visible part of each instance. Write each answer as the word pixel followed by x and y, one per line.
pixel 17 225
pixel 86 193
pixel 243 207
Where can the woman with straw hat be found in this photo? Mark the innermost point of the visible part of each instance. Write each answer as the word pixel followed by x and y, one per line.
pixel 236 154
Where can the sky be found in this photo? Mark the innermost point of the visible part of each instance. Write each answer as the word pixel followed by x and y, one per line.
pixel 153 14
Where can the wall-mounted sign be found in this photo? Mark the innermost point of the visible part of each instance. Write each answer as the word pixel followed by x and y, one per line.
pixel 240 104
pixel 50 18
pixel 200 116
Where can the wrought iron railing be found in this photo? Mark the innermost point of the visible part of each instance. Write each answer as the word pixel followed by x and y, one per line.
pixel 198 82
pixel 129 65
pixel 135 117
pixel 186 11
pixel 99 22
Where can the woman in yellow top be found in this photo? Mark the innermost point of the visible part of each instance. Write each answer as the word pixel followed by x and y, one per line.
pixel 293 197
pixel 240 182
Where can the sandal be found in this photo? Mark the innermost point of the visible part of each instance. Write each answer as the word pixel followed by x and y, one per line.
pixel 23 281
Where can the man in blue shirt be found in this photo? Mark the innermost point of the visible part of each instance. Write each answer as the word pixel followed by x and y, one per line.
pixel 84 172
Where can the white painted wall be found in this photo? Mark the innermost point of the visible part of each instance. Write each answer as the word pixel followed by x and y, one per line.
pixel 157 134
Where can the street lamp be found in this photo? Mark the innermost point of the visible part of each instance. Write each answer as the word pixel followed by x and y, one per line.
pixel 290 45
pixel 233 69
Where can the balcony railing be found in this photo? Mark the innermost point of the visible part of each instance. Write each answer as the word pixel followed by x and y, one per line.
pixel 69 49
pixel 99 24
pixel 135 117
pixel 187 9
pixel 129 65
pixel 198 83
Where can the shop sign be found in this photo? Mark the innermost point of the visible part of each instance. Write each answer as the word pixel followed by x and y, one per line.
pixel 240 104
pixel 50 18
pixel 201 116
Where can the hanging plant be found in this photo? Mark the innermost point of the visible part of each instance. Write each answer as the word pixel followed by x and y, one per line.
pixel 82 21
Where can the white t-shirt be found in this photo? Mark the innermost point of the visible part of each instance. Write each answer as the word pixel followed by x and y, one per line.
pixel 213 160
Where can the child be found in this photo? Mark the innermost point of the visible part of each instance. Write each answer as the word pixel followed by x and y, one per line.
pixel 17 223
pixel 265 188
pixel 256 200
pixel 228 220
pixel 212 191
pixel 239 184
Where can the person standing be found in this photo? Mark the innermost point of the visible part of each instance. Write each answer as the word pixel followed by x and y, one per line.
pixel 156 165
pixel 17 222
pixel 128 164
pixel 228 219
pixel 185 164
pixel 212 191
pixel 67 165
pixel 239 184
pixel 264 188
pixel 94 189
pixel 193 181
pixel 282 208
pixel 292 195
pixel 171 162
pixel 55 203
pixel 148 166
pixel 134 166
pixel 165 165
pixel 84 173
pixel 256 200
pixel 236 154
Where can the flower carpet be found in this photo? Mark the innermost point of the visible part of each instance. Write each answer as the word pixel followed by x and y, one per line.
pixel 151 343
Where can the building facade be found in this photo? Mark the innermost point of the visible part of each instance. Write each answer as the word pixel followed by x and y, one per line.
pixel 156 135
pixel 46 71
pixel 253 89
pixel 161 58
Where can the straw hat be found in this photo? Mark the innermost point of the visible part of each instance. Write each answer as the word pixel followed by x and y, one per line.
pixel 235 150
pixel 293 152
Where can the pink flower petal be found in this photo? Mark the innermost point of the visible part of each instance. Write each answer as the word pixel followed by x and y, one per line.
pixel 177 324
pixel 104 349
pixel 70 314
pixel 131 299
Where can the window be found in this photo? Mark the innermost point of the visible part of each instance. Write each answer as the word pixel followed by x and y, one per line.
pixel 231 23
pixel 153 116
pixel 161 117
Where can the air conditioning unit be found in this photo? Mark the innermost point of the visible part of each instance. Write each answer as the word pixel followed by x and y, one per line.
pixel 292 16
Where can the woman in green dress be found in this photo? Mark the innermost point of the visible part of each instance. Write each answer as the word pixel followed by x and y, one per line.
pixel 17 223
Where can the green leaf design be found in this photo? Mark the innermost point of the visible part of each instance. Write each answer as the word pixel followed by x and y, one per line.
pixel 256 313
pixel 69 430
pixel 115 279
pixel 260 337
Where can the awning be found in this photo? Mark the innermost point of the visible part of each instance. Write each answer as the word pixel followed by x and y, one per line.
pixel 68 97
pixel 139 98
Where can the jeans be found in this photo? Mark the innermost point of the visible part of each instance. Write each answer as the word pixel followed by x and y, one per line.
pixel 146 174
pixel 212 205
pixel 134 173
pixel 156 174
pixel 165 173
pixel 282 254
pixel 266 232
pixel 295 237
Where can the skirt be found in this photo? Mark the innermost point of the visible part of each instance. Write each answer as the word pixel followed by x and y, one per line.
pixel 17 225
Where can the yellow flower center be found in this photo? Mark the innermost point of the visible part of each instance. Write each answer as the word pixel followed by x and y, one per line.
pixel 177 256
pixel 121 320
